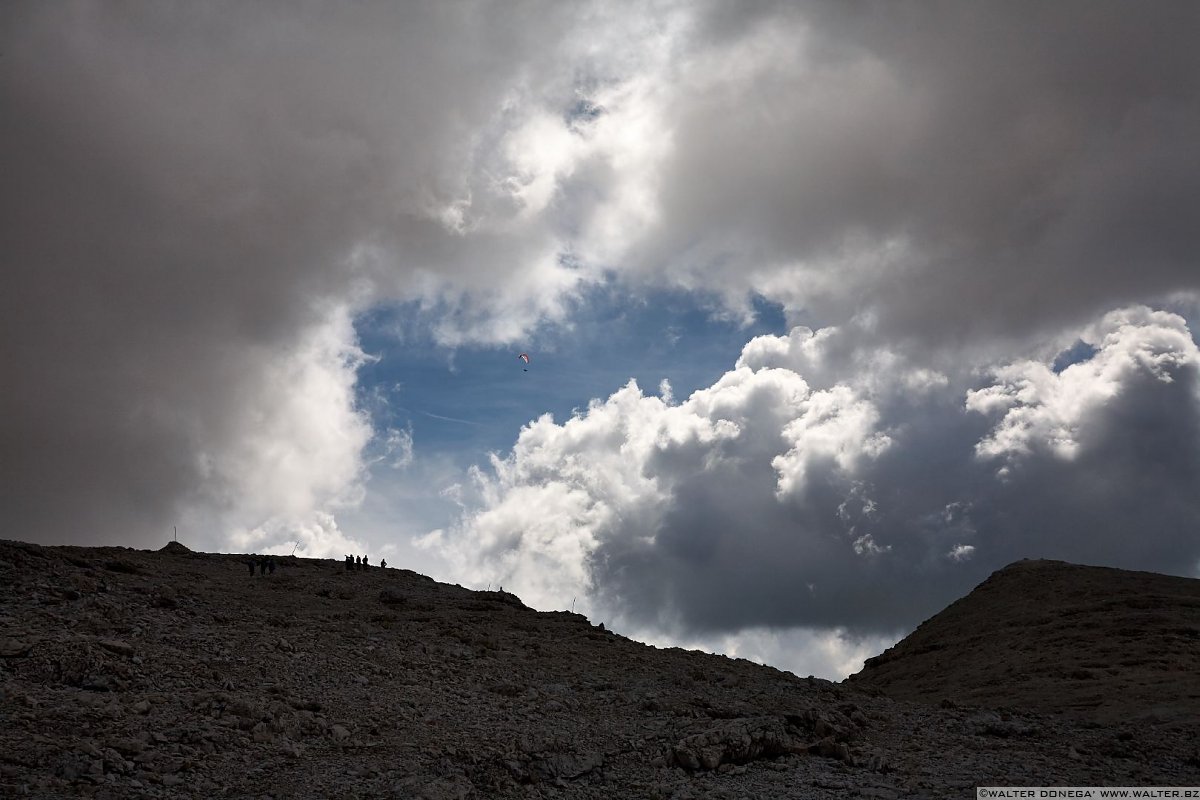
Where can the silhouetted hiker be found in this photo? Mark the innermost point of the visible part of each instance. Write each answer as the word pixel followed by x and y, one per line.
pixel 364 562
pixel 358 562
pixel 349 563
pixel 383 564
pixel 251 562
pixel 271 565
pixel 262 566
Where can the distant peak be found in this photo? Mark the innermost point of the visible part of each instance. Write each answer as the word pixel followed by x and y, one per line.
pixel 1035 563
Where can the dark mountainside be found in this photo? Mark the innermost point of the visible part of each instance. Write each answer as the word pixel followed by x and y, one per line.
pixel 1096 642
pixel 174 674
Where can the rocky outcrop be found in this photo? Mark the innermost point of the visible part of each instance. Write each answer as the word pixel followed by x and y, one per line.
pixel 1098 643
pixel 178 675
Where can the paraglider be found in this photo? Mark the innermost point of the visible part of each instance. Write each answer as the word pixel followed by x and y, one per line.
pixel 524 357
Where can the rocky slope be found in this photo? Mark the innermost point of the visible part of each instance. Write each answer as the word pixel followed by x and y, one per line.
pixel 127 674
pixel 1099 643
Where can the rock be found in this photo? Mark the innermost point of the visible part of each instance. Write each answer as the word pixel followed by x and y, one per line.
pixel 1048 636
pixel 289 748
pixel 14 648
pixel 391 597
pixel 877 762
pixel 117 646
pixel 243 708
pixel 71 767
pixel 127 747
pixel 478 697
pixel 829 748
pixel 989 723
pixel 734 742
pixel 306 705
pixel 453 787
pixel 164 597
pixel 169 766
pixel 566 765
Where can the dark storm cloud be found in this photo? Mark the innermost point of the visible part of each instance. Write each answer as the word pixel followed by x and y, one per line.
pixel 1115 494
pixel 977 168
pixel 829 487
pixel 191 198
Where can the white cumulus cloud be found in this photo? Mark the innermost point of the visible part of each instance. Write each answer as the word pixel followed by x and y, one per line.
pixel 860 503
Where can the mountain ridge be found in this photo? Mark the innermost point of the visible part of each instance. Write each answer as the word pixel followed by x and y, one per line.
pixel 177 674
pixel 1051 636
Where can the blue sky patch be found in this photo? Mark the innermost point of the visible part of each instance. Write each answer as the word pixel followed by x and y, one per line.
pixel 1075 354
pixel 474 399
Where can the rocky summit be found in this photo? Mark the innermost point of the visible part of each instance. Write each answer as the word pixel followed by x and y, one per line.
pixel 1094 642
pixel 178 674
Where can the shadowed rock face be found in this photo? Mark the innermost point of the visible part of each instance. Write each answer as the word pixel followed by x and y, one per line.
pixel 1098 643
pixel 177 674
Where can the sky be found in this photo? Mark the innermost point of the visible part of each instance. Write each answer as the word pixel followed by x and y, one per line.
pixel 832 309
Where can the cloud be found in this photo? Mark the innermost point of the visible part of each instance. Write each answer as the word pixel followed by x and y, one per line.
pixel 831 655
pixel 286 450
pixel 862 502
pixel 315 535
pixel 398 448
pixel 961 552
pixel 956 170
pixel 205 197
pixel 1047 410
